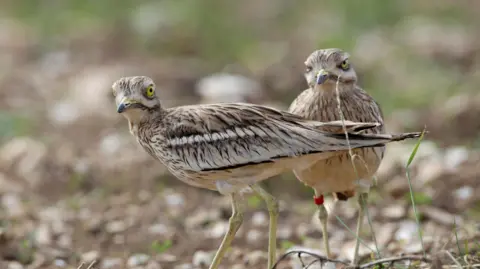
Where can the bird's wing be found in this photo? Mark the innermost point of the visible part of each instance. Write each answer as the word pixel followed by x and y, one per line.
pixel 226 136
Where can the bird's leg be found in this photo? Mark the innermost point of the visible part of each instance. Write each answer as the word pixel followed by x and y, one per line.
pixel 323 217
pixel 272 206
pixel 238 208
pixel 362 200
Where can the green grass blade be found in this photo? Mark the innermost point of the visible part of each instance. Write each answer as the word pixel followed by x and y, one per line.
pixel 410 159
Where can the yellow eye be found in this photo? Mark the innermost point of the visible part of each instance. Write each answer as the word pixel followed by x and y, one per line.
pixel 149 92
pixel 345 65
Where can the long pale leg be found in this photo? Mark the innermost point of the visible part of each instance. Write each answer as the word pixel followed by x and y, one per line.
pixel 362 201
pixel 323 217
pixel 272 206
pixel 238 208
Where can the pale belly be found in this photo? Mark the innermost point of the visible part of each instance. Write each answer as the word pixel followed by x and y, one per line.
pixel 337 174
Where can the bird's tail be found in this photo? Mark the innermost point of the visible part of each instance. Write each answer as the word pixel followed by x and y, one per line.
pixel 356 140
pixel 340 126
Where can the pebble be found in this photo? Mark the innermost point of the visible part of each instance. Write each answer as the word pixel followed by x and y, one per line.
pixel 385 233
pixel 26 155
pixel 116 226
pixel 441 216
pixel 395 211
pixel 454 157
pixel 254 236
pixel 159 229
pixel 284 232
pixel 13 205
pixel 60 263
pixel 153 265
pixel 407 231
pixel 14 265
pixel 43 235
pixel 111 263
pixel 137 260
pixel 218 230
pixel 91 256
pixel 255 258
pixel 202 258
pixel 464 193
pixel 260 219
pixel 184 266
pixel 174 199
pixel 201 217
pixel 64 241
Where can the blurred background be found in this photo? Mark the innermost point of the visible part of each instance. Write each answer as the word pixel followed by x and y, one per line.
pixel 74 185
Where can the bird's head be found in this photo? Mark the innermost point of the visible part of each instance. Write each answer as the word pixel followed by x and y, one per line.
pixel 135 97
pixel 324 67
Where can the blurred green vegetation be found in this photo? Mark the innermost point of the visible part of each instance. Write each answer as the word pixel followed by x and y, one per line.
pixel 226 31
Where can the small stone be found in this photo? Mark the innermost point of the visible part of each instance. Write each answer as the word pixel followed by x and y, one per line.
pixel 260 219
pixel 238 266
pixel 454 157
pixel 385 235
pixel 441 216
pixel 202 258
pixel 174 199
pixel 64 241
pixel 284 232
pixel 43 235
pixel 159 229
pixel 395 211
pixel 202 217
pixel 349 247
pixel 218 230
pixel 255 258
pixel 60 263
pixel 116 226
pixel 165 257
pixel 464 193
pixel 91 256
pixel 137 260
pixel 407 231
pixel 111 263
pixel 13 205
pixel 94 224
pixel 153 265
pixel 14 265
pixel 184 266
pixel 254 236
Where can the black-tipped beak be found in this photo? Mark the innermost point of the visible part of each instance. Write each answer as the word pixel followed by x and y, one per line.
pixel 121 108
pixel 322 76
pixel 124 104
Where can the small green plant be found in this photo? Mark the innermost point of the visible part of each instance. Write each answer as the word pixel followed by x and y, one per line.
pixel 412 196
pixel 25 253
pixel 286 244
pixel 160 247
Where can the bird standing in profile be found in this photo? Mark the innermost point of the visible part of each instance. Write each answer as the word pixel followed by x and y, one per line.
pixel 333 91
pixel 232 146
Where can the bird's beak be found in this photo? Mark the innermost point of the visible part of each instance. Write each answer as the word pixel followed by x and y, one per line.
pixel 124 104
pixel 322 76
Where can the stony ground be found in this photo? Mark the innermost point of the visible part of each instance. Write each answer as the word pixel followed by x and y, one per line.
pixel 75 188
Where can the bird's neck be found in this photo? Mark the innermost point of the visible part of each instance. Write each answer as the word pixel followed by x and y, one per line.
pixel 136 120
pixel 330 88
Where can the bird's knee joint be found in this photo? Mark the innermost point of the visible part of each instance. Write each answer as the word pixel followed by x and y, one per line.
pixel 273 206
pixel 236 219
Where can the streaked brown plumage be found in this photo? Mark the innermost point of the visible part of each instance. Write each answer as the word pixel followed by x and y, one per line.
pixel 228 147
pixel 320 102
